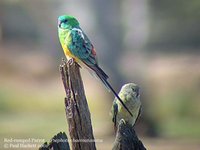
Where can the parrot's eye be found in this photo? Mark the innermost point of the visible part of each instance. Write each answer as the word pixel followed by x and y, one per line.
pixel 65 21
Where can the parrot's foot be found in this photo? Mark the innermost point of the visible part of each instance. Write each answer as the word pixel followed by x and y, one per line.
pixel 71 61
pixel 122 121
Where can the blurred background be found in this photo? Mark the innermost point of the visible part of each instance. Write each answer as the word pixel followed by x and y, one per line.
pixel 155 44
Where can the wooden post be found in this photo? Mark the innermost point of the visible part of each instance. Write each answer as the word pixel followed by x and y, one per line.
pixel 58 142
pixel 126 138
pixel 76 107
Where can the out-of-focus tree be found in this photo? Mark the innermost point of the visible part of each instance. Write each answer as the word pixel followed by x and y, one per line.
pixel 120 31
pixel 174 25
pixel 109 19
pixel 16 23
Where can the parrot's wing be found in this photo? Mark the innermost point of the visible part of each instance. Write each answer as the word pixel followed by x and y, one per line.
pixel 81 47
pixel 139 113
pixel 115 112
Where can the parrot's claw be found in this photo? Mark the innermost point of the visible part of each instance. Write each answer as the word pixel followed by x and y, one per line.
pixel 71 61
pixel 122 121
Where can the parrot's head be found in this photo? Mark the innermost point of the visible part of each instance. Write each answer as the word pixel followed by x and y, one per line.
pixel 132 89
pixel 67 22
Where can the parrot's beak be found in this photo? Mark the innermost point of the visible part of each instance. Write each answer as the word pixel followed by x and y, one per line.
pixel 59 23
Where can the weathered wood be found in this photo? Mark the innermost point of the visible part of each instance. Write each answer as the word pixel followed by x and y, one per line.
pixel 126 138
pixel 58 142
pixel 76 107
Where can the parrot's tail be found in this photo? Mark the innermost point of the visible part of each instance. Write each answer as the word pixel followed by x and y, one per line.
pixel 103 77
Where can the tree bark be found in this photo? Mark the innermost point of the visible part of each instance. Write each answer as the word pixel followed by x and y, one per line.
pixel 58 142
pixel 126 138
pixel 76 107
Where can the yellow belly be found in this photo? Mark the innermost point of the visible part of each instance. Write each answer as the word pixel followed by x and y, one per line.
pixel 68 54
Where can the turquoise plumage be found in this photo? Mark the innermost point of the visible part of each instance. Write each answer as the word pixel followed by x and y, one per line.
pixel 81 47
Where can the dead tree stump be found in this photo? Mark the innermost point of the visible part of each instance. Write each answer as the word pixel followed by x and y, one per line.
pixel 76 107
pixel 126 138
pixel 58 142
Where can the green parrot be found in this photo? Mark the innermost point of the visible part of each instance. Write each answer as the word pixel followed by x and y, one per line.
pixel 130 95
pixel 77 45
